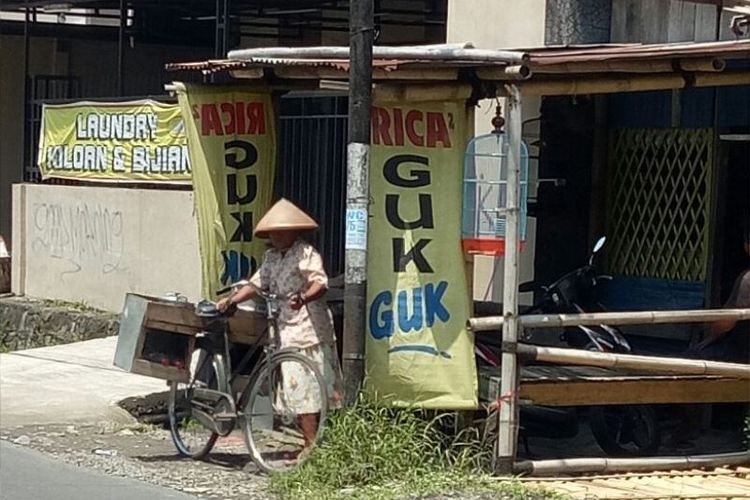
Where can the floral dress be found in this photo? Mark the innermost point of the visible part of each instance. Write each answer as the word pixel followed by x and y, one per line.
pixel 308 329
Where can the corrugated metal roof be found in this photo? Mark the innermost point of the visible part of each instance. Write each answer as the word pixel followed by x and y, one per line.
pixel 537 57
pixel 219 65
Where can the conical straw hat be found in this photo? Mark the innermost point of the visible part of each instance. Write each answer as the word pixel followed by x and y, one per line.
pixel 284 216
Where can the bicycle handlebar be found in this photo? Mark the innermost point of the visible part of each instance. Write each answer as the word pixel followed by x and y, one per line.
pixel 239 284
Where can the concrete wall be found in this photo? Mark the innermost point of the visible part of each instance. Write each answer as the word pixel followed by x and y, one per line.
pixel 495 24
pixel 94 244
pixel 570 22
pixel 667 22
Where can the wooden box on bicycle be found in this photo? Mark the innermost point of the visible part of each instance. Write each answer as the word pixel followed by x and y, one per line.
pixel 157 335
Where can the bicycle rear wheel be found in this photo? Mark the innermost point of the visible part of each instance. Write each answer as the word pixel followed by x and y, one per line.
pixel 191 437
pixel 286 409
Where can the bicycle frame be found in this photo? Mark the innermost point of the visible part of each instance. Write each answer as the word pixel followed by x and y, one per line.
pixel 269 349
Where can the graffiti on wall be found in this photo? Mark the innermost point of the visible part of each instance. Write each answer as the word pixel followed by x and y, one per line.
pixel 88 236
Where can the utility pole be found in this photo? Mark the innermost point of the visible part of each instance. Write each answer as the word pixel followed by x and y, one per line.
pixel 361 16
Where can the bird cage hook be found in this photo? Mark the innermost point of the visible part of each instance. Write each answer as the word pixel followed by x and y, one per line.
pixel 498 122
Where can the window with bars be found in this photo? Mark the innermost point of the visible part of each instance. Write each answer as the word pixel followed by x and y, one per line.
pixel 658 209
pixel 41 89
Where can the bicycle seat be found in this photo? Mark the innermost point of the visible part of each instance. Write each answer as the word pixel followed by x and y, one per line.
pixel 207 309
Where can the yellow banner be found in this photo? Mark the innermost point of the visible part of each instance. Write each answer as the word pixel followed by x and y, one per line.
pixel 419 351
pixel 232 139
pixel 134 141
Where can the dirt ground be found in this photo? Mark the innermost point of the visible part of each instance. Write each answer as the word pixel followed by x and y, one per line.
pixel 146 453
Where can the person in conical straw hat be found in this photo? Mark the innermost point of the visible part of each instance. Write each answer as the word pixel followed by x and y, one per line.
pixel 293 268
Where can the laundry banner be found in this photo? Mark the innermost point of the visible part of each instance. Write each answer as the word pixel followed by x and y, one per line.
pixel 132 141
pixel 418 349
pixel 232 143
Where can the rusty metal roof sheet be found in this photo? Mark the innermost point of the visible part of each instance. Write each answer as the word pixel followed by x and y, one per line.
pixel 562 55
pixel 219 65
pixel 537 57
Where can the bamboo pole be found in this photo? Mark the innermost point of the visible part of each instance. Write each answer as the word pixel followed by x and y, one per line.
pixel 604 85
pixel 708 64
pixel 513 72
pixel 427 53
pixel 611 465
pixel 722 79
pixel 614 318
pixel 507 432
pixel 564 356
pixel 634 83
pixel 703 65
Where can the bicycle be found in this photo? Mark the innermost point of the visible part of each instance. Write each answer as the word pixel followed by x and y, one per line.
pixel 204 409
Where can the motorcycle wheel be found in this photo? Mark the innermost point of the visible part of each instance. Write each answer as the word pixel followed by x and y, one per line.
pixel 625 430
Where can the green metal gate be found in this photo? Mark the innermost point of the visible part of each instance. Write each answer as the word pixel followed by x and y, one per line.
pixel 659 203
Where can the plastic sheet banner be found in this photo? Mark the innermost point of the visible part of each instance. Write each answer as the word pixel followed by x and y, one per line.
pixel 132 141
pixel 232 142
pixel 418 350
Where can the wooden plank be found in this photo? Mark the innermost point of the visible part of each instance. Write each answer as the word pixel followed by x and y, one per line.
pixel 725 30
pixel 705 23
pixel 621 10
pixel 246 327
pixel 675 484
pixel 681 21
pixel 653 21
pixel 616 486
pixel 175 313
pixel 721 485
pixel 635 485
pixel 154 324
pixel 687 484
pixel 735 486
pixel 643 391
pixel 149 369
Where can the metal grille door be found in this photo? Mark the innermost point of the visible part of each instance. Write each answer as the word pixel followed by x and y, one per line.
pixel 312 167
pixel 659 202
pixel 42 88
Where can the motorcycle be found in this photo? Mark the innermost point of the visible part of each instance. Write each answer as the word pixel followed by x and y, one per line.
pixel 620 430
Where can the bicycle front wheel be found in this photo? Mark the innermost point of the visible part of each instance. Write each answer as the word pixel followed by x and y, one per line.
pixel 191 437
pixel 286 409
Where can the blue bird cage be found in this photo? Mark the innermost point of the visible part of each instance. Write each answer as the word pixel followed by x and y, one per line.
pixel 485 192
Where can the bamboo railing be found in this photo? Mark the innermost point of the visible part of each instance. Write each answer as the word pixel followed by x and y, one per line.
pixel 612 465
pixel 525 352
pixel 613 318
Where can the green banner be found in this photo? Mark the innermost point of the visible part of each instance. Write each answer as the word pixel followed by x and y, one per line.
pixel 133 141
pixel 232 142
pixel 419 351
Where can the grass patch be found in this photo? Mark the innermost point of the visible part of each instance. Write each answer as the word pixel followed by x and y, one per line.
pixel 370 451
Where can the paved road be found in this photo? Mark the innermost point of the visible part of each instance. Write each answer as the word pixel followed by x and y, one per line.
pixel 27 474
